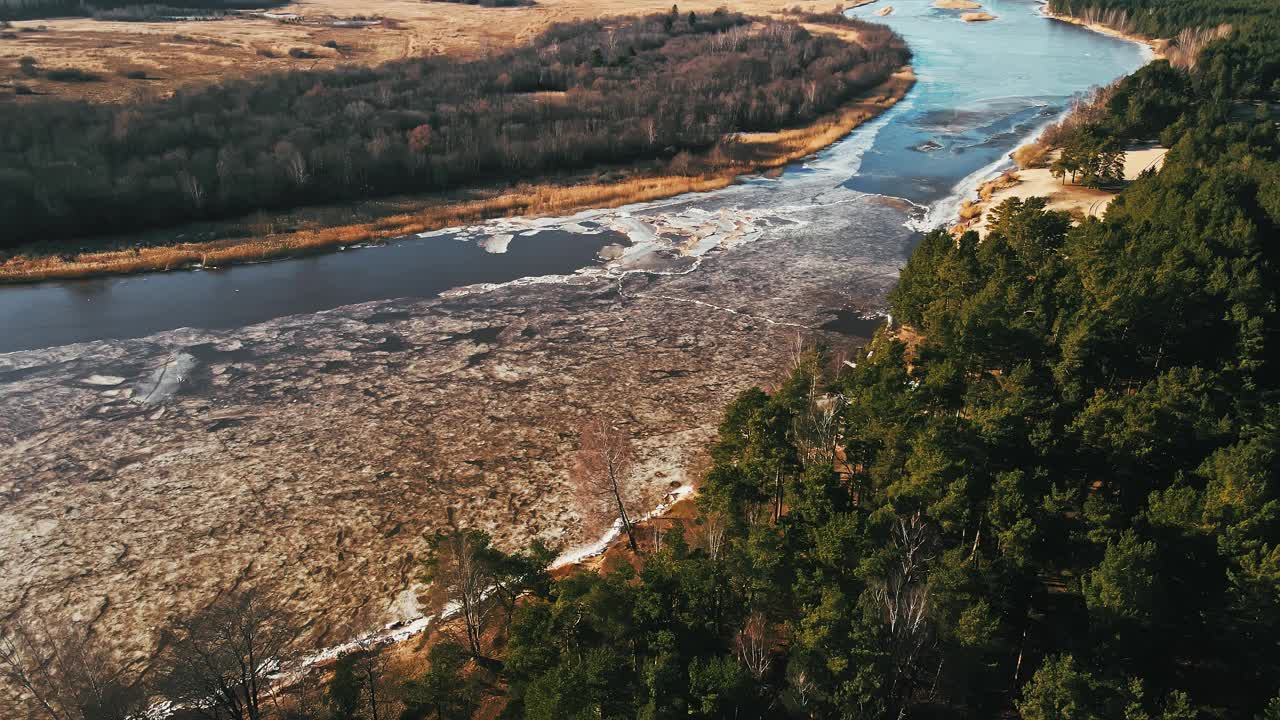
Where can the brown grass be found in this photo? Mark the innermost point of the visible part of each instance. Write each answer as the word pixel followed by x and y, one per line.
pixel 178 54
pixel 1031 155
pixel 990 187
pixel 759 152
pixel 969 210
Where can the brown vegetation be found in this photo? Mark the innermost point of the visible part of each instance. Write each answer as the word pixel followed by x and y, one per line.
pixel 199 52
pixel 1031 155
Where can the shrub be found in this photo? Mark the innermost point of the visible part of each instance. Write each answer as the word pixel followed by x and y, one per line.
pixel 300 54
pixel 1030 155
pixel 72 75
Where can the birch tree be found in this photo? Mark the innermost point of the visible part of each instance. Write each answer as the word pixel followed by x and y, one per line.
pixel 603 467
pixel 460 577
pixel 904 599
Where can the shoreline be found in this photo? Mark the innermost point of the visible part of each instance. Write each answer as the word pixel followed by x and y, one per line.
pixel 586 557
pixel 534 199
pixel 1078 200
pixel 1155 45
pixel 954 220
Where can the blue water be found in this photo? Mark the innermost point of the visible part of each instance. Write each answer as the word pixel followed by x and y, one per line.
pixel 982 88
pixel 59 313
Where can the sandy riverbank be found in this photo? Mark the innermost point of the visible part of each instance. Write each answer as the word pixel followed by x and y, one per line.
pixel 766 150
pixel 1078 200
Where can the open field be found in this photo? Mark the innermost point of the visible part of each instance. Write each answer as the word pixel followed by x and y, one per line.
pixel 176 54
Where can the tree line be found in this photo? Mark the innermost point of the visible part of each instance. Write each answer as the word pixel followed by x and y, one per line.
pixel 1168 18
pixel 580 94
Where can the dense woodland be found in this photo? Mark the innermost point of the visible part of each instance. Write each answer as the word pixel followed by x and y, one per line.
pixel 1168 18
pixel 581 94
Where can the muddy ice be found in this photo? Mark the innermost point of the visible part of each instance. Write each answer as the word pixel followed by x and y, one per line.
pixel 312 454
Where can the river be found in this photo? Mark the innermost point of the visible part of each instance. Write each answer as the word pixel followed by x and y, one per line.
pixel 982 87
pixel 304 423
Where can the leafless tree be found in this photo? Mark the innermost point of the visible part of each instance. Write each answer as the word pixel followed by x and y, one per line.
pixel 192 188
pixel 303 699
pixel 220 659
pixel 754 645
pixel 603 466
pixel 67 675
pixel 904 599
pixel 817 429
pixel 295 165
pixel 714 527
pixel 373 676
pixel 802 686
pixel 460 578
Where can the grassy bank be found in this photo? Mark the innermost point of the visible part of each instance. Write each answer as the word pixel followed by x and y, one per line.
pixel 237 242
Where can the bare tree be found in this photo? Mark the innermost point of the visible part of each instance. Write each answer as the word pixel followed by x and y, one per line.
pixel 461 577
pixel 714 527
pixel 803 688
pixel 302 699
pixel 359 687
pixel 374 676
pixel 221 658
pixel 603 466
pixel 67 675
pixel 904 598
pixel 754 645
pixel 817 429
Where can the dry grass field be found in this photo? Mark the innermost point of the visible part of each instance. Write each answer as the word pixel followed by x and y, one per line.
pixel 175 54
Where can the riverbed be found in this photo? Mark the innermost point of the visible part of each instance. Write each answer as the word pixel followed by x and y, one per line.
pixel 302 424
